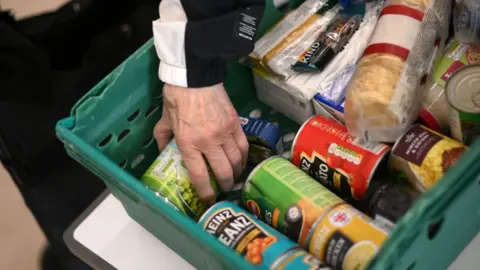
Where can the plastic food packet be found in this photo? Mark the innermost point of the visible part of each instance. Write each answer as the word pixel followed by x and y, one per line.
pixel 279 48
pixel 435 107
pixel 332 81
pixel 385 94
pixel 328 44
pixel 466 21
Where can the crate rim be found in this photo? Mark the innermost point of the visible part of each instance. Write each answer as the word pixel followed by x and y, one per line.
pixel 145 196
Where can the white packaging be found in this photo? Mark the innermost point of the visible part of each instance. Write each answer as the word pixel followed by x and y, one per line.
pixel 276 94
pixel 332 81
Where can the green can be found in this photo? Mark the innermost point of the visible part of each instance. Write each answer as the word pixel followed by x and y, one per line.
pixel 286 198
pixel 463 95
pixel 168 177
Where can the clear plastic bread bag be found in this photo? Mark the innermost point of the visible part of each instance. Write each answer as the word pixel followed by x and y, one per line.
pixel 386 92
pixel 466 21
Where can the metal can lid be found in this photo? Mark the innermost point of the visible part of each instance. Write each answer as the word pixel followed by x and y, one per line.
pixel 463 90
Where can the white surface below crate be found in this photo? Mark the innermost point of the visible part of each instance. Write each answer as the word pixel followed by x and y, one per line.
pixel 116 238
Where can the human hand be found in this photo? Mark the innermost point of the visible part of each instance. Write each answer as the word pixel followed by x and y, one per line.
pixel 204 123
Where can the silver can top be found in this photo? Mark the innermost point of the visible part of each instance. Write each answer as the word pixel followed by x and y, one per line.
pixel 463 89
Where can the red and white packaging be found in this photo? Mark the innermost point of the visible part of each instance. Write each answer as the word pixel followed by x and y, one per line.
pixel 385 95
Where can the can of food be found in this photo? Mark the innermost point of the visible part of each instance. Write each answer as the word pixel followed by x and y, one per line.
pixel 345 164
pixel 344 238
pixel 426 118
pixel 463 95
pixel 424 156
pixel 168 177
pixel 254 240
pixel 286 198
pixel 234 195
pixel 388 202
pixel 261 133
pixel 296 259
pixel 258 153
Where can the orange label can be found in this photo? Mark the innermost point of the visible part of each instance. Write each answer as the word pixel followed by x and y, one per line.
pixel 344 238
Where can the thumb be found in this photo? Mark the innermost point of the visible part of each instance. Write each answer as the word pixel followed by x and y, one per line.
pixel 163 133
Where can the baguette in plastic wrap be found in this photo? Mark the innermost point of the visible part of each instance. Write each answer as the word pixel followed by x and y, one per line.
pixel 385 94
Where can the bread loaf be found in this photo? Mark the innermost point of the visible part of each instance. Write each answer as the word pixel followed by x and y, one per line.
pixel 385 94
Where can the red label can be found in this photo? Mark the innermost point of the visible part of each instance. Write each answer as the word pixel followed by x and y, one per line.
pixel 343 163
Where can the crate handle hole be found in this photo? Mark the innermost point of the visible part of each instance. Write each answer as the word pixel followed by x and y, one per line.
pixel 134 115
pixel 434 228
pixel 137 160
pixel 106 140
pixel 411 266
pixel 152 109
pixel 123 135
pixel 147 142
pixel 123 164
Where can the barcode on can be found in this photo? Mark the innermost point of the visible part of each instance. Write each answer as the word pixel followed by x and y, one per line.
pixel 373 147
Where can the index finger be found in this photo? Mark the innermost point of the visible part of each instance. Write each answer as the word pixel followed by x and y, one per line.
pixel 199 176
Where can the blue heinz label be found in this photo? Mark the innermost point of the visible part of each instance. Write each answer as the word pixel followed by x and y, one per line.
pixel 255 241
pixel 262 132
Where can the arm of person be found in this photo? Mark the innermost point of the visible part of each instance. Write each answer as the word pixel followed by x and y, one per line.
pixel 195 38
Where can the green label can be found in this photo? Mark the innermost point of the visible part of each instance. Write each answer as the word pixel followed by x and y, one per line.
pixel 168 177
pixel 463 96
pixel 286 198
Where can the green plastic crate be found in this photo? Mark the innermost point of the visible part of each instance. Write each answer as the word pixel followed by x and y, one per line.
pixel 110 132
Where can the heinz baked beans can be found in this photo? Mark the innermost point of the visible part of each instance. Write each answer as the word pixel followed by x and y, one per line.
pixel 257 242
pixel 286 198
pixel 345 239
pixel 345 164
pixel 424 156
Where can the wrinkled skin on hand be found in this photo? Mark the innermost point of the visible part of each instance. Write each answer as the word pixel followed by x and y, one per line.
pixel 204 124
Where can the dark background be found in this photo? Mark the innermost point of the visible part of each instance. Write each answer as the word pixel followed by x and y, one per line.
pixel 47 63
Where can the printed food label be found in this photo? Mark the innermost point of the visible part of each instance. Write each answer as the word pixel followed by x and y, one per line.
pixel 345 239
pixel 339 161
pixel 295 202
pixel 318 168
pixel 416 144
pixel 168 177
pixel 288 24
pixel 425 156
pixel 452 69
pixel 457 55
pixel 237 231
